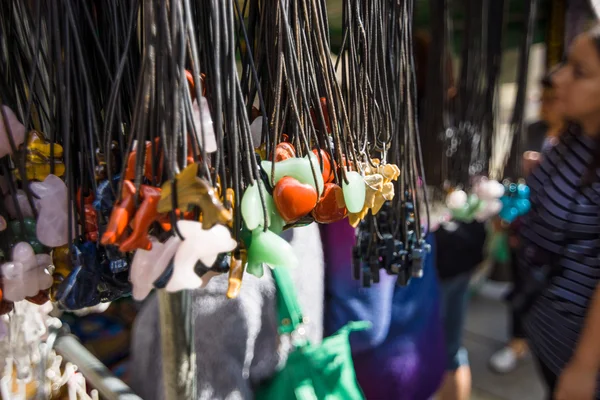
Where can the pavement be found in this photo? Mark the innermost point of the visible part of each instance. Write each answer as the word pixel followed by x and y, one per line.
pixel 486 331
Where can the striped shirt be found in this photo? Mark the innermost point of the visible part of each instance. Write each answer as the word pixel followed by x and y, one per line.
pixel 562 229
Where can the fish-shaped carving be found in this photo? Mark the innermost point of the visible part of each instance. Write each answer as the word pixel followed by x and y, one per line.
pixel 192 190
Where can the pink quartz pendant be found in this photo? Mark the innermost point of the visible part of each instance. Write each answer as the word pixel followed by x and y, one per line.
pixel 16 128
pixel 51 228
pixel 26 275
pixel 148 266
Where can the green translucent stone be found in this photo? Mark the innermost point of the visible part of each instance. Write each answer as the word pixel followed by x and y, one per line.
pixel 299 169
pixel 467 213
pixel 473 202
pixel 255 269
pixel 269 248
pixel 252 211
pixel 479 206
pixel 29 225
pixel 29 235
pixel 355 192
pixel 38 247
pixel 276 223
pixel 462 214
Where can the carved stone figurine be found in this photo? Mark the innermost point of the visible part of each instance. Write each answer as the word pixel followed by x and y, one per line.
pixel 26 274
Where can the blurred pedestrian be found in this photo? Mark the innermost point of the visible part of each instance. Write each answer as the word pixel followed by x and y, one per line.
pixel 542 135
pixel 559 241
pixel 460 249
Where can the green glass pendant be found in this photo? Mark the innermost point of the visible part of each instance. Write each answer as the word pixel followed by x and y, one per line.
pixel 462 214
pixel 468 211
pixel 299 169
pixel 255 269
pixel 252 211
pixel 269 248
pixel 473 202
pixel 276 223
pixel 355 192
pixel 28 234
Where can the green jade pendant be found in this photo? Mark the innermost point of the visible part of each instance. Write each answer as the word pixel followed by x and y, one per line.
pixel 27 233
pixel 252 211
pixel 355 192
pixel 276 223
pixel 255 269
pixel 467 213
pixel 269 248
pixel 299 169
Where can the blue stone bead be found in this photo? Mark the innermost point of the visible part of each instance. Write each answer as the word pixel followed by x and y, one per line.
pixel 523 191
pixel 523 206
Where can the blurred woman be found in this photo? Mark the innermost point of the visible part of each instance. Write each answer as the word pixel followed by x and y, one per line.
pixel 559 249
pixel 460 249
pixel 542 135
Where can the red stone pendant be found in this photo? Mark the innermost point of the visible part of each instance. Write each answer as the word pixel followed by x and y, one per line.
pixel 331 207
pixel 283 151
pixel 294 199
pixel 328 175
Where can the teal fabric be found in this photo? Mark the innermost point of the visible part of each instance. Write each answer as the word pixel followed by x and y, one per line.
pixel 311 372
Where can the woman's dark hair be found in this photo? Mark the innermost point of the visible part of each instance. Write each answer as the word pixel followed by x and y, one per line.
pixel 591 175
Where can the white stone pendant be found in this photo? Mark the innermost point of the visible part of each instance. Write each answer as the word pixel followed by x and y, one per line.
pixel 198 244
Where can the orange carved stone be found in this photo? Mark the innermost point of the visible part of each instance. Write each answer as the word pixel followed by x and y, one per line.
pixel 120 216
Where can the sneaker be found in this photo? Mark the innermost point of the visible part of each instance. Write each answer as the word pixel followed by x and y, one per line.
pixel 506 360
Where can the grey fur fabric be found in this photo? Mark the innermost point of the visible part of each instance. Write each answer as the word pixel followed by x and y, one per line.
pixel 237 344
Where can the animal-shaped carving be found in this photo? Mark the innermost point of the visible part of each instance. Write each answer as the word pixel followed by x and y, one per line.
pixel 145 215
pixel 192 190
pixel 198 244
pixel 120 216
pixel 26 274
